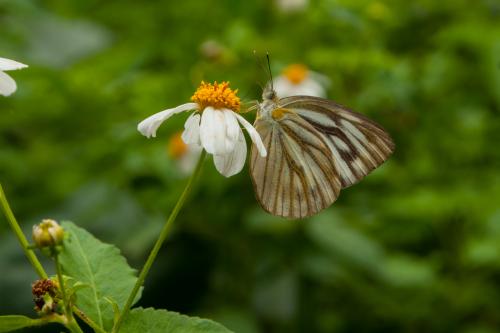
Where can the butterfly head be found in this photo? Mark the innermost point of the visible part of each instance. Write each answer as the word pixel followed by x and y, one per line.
pixel 268 104
pixel 268 94
pixel 269 97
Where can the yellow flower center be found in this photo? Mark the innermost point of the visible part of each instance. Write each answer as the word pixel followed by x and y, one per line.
pixel 296 73
pixel 176 147
pixel 217 95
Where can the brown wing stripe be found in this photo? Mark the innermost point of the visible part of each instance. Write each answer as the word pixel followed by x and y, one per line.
pixel 297 170
pixel 278 185
pixel 324 106
pixel 268 148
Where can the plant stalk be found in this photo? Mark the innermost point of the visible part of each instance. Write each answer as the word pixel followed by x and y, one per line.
pixel 20 235
pixel 73 326
pixel 159 242
pixel 71 323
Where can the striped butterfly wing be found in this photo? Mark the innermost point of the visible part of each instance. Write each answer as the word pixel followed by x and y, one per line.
pixel 358 145
pixel 298 178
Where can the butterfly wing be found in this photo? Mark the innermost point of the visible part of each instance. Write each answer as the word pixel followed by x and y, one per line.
pixel 297 178
pixel 358 144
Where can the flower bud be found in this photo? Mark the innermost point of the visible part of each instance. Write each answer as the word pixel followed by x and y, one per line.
pixel 46 296
pixel 48 234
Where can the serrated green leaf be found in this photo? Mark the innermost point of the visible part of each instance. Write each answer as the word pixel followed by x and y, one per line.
pixel 162 321
pixel 102 268
pixel 12 323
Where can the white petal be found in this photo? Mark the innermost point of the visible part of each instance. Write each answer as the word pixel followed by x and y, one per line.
pixel 206 136
pixel 149 126
pixel 254 135
pixel 213 131
pixel 7 84
pixel 233 130
pixel 9 65
pixel 191 134
pixel 232 163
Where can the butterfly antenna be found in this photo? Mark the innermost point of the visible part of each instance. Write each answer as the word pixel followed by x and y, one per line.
pixel 260 61
pixel 269 69
pixel 263 67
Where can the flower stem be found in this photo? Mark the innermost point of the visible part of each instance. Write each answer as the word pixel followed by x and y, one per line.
pixel 159 242
pixel 61 284
pixel 71 323
pixel 20 235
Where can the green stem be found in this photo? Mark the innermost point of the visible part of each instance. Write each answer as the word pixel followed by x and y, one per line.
pixel 54 318
pixel 73 326
pixel 71 323
pixel 87 320
pixel 67 309
pixel 20 235
pixel 159 242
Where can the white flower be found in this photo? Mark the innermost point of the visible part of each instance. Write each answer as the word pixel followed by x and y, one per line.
pixel 7 84
pixel 212 49
pixel 297 79
pixel 288 6
pixel 215 125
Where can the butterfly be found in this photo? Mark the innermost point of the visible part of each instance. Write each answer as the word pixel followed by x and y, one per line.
pixel 315 148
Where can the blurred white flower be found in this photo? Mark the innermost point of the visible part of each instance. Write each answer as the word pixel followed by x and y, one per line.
pixel 211 49
pixel 184 155
pixel 7 84
pixel 297 79
pixel 288 6
pixel 214 125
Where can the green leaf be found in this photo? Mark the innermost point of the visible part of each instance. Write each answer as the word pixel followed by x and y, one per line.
pixel 12 323
pixel 101 268
pixel 162 321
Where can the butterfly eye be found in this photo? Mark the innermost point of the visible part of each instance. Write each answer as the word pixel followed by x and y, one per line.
pixel 268 94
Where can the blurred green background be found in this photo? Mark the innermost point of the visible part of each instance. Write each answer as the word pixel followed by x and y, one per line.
pixel 415 247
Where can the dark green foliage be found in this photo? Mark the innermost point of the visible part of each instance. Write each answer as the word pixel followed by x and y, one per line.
pixel 412 248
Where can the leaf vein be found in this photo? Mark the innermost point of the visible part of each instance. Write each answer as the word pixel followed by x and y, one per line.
pixel 93 284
